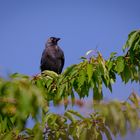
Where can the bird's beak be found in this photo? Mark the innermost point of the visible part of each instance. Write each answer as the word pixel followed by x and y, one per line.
pixel 58 39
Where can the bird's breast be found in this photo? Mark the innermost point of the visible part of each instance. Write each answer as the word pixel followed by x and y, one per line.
pixel 56 48
pixel 53 52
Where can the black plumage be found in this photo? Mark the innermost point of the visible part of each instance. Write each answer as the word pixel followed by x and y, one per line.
pixel 52 56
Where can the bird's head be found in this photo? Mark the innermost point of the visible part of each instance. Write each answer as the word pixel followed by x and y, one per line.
pixel 52 41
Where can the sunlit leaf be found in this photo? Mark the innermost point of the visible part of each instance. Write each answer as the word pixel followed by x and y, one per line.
pixel 120 64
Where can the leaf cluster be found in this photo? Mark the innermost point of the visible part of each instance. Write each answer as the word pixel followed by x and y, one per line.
pixel 93 73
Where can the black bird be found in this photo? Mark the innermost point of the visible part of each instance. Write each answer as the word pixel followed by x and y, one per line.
pixel 52 56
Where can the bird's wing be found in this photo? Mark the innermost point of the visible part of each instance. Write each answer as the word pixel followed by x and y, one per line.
pixel 62 59
pixel 43 57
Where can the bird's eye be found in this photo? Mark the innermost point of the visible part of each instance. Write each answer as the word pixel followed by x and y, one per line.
pixel 51 38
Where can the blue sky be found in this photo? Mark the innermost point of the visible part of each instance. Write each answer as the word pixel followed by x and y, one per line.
pixel 81 24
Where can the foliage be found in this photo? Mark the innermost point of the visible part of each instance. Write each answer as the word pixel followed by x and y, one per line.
pixel 22 96
pixel 107 119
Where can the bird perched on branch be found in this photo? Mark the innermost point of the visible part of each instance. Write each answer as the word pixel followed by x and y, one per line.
pixel 52 56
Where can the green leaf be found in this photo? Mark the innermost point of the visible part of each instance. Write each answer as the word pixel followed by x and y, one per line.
pixel 127 44
pixel 119 64
pixel 132 38
pixel 83 58
pixel 70 116
pixel 110 65
pixel 50 74
pixel 97 93
pixel 81 78
pixel 60 93
pixel 137 43
pixel 17 75
pixel 83 134
pixel 107 133
pixel 72 98
pixel 89 71
pixel 69 70
pixel 112 55
pixel 126 74
pixel 76 114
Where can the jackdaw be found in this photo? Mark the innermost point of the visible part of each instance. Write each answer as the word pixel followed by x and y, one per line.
pixel 52 56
